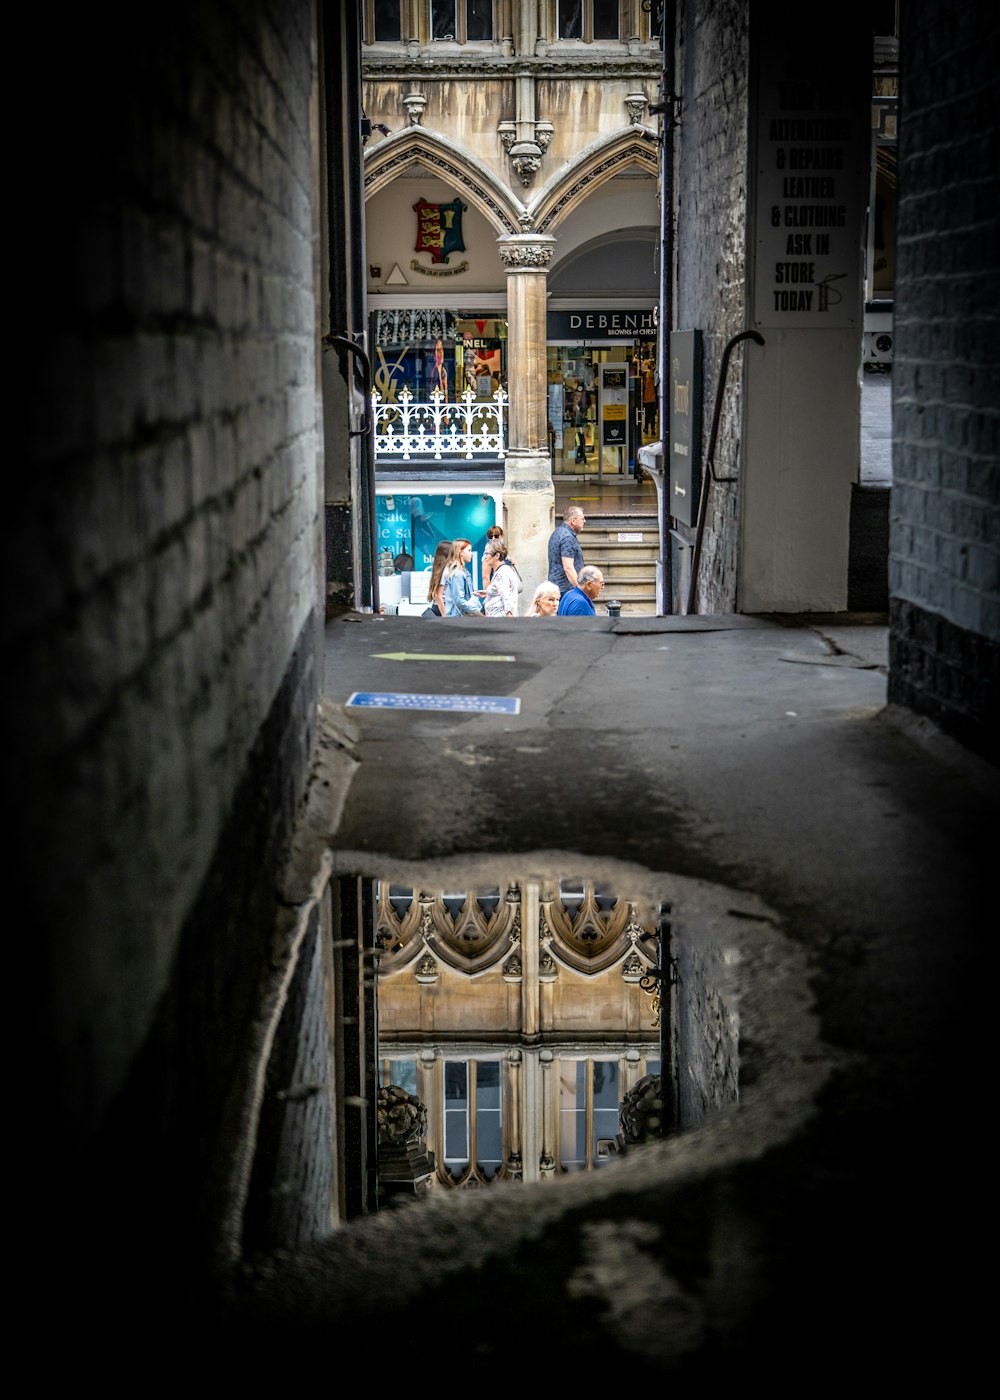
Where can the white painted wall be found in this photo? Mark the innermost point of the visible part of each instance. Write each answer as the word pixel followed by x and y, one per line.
pixel 800 456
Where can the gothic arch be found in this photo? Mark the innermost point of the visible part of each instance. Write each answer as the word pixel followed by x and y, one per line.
pixel 595 165
pixel 417 146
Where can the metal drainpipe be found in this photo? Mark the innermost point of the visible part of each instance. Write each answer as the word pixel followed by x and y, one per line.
pixel 667 108
pixel 341 31
pixel 708 471
pixel 369 554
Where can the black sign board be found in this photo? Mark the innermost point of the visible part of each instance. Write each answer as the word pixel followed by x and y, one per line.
pixel 684 426
pixel 585 327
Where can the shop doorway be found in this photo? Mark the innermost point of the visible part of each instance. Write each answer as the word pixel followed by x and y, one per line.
pixel 576 442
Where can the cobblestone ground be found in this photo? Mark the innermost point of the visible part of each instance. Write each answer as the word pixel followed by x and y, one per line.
pixel 876 428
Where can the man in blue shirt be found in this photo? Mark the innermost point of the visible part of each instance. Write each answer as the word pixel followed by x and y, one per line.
pixel 565 553
pixel 579 601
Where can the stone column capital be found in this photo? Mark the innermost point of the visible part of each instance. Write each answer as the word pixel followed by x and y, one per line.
pixel 526 252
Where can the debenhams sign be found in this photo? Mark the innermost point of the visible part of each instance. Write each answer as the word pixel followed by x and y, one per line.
pixel 601 325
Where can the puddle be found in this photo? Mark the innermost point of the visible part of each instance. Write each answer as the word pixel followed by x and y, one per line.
pixel 534 1027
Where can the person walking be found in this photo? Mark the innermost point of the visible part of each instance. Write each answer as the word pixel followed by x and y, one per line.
pixel 579 601
pixel 490 560
pixel 500 597
pixel 460 599
pixel 435 589
pixel 649 404
pixel 565 550
pixel 545 600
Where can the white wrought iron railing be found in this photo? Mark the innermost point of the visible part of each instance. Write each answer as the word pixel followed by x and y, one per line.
pixel 470 428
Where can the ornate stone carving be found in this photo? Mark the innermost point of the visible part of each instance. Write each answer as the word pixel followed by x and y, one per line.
pixel 507 132
pixel 526 250
pixel 641 1113
pixel 457 173
pixel 427 969
pixel 415 102
pixel 633 967
pixel 636 102
pixel 401 1118
pixel 512 968
pixel 526 158
pixel 632 155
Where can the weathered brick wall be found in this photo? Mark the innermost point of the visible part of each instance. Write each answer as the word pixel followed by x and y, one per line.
pixel 704 1029
pixel 292 1194
pixel 944 567
pixel 711 247
pixel 162 608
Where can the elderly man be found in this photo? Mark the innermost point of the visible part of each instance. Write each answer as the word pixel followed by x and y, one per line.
pixel 579 601
pixel 565 553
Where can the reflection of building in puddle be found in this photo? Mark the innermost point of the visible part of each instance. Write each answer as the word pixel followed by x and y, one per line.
pixel 520 1019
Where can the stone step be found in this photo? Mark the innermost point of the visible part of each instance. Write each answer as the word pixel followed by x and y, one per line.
pixel 621 525
pixel 641 572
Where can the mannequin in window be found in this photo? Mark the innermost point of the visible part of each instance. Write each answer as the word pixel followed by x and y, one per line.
pixel 439 371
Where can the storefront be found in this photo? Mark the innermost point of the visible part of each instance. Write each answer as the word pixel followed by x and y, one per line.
pixel 585 348
pixel 429 348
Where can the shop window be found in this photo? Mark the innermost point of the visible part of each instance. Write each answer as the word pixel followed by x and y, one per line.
pixel 588 20
pixel 462 21
pixel 424 350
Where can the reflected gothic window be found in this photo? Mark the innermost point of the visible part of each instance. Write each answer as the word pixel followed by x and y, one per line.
pixel 588 1111
pixel 402 1073
pixel 472 1117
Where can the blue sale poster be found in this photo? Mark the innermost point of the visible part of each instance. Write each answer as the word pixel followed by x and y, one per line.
pixel 417 523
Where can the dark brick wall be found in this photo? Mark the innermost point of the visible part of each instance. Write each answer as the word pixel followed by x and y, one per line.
pixel 944 568
pixel 292 1191
pixel 705 1031
pixel 162 596
pixel 712 81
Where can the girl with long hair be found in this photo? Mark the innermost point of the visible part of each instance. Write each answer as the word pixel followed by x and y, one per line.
pixel 460 599
pixel 435 588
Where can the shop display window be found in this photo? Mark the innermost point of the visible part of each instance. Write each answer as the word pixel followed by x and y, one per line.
pixel 424 350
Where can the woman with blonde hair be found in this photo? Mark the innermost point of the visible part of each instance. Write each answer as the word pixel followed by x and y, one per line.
pixel 435 589
pixel 545 600
pixel 460 600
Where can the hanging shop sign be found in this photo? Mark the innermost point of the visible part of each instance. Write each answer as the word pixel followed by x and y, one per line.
pixel 589 326
pixel 812 150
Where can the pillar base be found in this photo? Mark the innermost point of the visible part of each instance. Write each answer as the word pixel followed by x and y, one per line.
pixel 529 517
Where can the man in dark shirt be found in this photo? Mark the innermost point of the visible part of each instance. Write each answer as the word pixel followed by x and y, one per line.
pixel 579 601
pixel 565 553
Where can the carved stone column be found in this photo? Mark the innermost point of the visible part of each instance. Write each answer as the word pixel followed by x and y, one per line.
pixel 529 498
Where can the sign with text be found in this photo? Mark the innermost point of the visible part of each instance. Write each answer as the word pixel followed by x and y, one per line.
pixel 810 178
pixel 684 426
pixel 461 704
pixel 614 404
pixel 584 327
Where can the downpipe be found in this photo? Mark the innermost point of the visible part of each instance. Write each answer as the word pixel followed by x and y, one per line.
pixel 708 472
